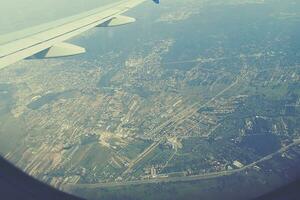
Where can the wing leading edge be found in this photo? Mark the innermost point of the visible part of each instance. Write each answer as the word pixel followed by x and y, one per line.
pixel 47 41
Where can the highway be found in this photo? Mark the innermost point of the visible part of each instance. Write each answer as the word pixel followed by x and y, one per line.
pixel 185 178
pixel 177 119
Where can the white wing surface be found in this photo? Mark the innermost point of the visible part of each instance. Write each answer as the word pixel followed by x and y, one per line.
pixel 47 41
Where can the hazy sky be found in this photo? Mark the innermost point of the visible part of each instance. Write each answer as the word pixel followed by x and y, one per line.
pixel 19 14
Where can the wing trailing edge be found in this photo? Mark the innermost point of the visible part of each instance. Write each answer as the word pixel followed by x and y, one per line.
pixel 117 21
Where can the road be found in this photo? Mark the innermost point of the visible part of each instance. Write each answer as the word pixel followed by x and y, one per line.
pixel 185 178
pixel 177 119
pixel 141 156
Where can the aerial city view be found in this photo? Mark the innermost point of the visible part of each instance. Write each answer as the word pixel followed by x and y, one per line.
pixel 198 99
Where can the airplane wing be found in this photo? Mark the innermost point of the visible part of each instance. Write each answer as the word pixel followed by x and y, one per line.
pixel 47 41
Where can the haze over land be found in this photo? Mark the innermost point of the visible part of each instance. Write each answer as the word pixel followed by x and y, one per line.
pixel 204 99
